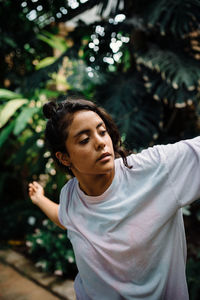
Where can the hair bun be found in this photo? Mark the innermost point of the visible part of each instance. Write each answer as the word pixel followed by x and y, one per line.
pixel 49 109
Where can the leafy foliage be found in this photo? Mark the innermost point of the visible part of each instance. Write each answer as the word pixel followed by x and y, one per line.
pixel 139 122
pixel 53 41
pixel 178 72
pixel 53 248
pixel 179 17
pixel 16 217
pixel 140 60
pixel 9 109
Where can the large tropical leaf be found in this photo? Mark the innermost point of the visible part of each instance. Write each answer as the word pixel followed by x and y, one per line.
pixel 165 92
pixel 23 118
pixel 7 94
pixel 177 16
pixel 9 109
pixel 176 70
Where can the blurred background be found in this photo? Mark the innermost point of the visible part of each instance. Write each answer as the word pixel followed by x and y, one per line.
pixel 139 59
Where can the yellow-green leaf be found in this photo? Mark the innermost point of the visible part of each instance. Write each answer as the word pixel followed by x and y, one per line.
pixel 9 109
pixel 45 62
pixel 54 41
pixel 6 94
pixel 23 118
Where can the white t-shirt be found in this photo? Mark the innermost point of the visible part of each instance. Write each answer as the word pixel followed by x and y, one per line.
pixel 129 242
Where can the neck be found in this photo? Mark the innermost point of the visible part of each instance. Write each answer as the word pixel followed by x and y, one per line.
pixel 95 185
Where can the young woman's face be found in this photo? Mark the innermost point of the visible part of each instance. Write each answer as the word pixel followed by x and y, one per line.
pixel 89 145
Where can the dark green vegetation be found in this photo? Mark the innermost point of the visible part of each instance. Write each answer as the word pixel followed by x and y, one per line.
pixel 139 59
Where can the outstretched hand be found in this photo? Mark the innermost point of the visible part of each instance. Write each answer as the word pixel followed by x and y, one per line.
pixel 36 192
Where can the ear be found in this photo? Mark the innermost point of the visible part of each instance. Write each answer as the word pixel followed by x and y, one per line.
pixel 63 158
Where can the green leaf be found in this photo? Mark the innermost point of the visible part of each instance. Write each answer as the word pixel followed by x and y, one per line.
pixel 6 132
pixel 179 17
pixel 178 71
pixel 10 42
pixel 163 90
pixel 9 110
pixel 45 62
pixel 6 94
pixel 23 118
pixel 54 41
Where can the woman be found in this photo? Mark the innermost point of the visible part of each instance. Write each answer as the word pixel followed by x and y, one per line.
pixel 122 213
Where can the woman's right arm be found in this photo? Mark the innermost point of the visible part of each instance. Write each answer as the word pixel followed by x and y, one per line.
pixel 36 193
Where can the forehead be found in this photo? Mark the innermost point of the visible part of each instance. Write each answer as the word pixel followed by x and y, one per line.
pixel 83 120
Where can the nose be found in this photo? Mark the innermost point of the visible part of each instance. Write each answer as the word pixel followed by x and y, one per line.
pixel 99 142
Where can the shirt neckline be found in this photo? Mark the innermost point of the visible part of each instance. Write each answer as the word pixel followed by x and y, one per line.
pixel 103 197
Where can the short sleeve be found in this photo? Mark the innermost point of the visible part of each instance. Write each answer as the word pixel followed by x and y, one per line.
pixel 183 163
pixel 62 208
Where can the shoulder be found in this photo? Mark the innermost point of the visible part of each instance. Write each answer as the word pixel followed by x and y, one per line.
pixel 149 157
pixel 64 202
pixel 142 164
pixel 67 189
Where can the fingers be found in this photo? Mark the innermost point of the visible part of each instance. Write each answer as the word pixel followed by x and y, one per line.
pixel 32 188
pixel 36 184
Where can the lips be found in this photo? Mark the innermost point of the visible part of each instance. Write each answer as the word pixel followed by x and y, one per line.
pixel 104 155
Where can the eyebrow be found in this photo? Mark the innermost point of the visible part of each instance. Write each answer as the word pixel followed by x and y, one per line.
pixel 87 130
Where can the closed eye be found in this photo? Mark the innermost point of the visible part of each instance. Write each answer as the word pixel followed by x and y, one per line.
pixel 84 141
pixel 103 132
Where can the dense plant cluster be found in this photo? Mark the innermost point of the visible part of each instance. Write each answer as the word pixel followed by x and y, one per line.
pixel 138 59
pixel 51 249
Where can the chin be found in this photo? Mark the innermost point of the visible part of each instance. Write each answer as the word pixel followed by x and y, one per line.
pixel 108 169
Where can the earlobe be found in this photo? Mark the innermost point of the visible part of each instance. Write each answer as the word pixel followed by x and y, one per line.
pixel 63 158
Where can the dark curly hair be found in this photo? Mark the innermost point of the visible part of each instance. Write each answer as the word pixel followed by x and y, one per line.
pixel 61 116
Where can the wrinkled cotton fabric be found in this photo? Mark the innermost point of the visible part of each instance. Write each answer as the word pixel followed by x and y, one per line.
pixel 129 242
